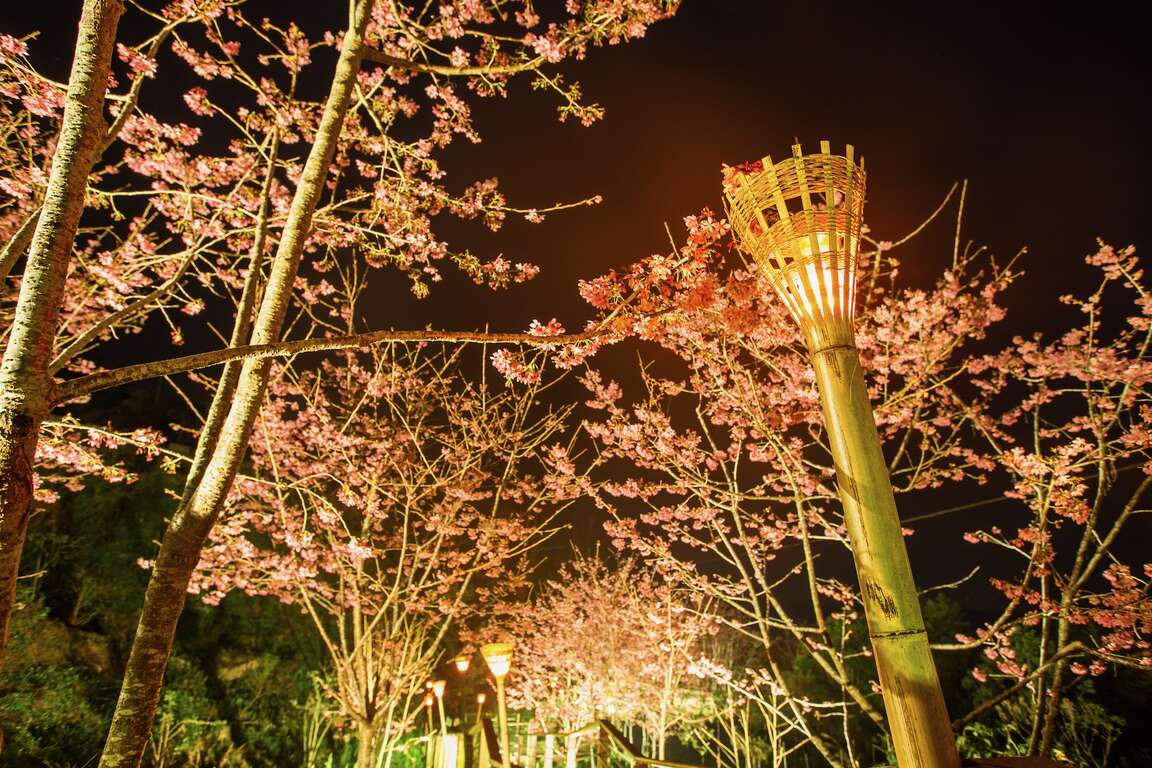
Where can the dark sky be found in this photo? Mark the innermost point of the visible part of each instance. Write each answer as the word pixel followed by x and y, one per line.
pixel 1042 106
pixel 1043 109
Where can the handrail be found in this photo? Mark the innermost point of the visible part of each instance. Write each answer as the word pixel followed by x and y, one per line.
pixel 633 757
pixel 609 738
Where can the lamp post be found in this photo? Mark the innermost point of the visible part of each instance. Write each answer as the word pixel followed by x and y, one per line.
pixel 462 662
pixel 438 692
pixel 498 657
pixel 480 699
pixel 430 758
pixel 800 221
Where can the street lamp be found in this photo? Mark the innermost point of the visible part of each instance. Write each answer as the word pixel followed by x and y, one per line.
pixel 430 760
pixel 498 657
pixel 438 692
pixel 480 699
pixel 462 662
pixel 800 221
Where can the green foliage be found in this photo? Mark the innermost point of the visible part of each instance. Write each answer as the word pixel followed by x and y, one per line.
pixel 234 686
pixel 1086 737
pixel 52 714
pixel 262 693
pixel 89 546
pixel 48 718
pixel 188 729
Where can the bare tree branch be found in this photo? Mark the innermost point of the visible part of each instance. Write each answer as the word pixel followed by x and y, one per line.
pixel 380 57
pixel 84 385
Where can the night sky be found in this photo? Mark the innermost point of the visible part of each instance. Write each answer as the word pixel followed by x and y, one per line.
pixel 1043 110
pixel 1042 107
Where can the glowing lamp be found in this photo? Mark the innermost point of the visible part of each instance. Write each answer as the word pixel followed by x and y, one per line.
pixel 438 688
pixel 481 698
pixel 498 657
pixel 428 700
pixel 799 219
pixel 462 662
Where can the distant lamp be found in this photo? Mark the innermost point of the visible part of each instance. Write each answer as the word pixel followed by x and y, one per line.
pixel 438 692
pixel 800 219
pixel 498 657
pixel 462 662
pixel 428 701
pixel 480 699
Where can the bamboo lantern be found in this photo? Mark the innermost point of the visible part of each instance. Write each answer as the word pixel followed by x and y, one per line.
pixel 799 219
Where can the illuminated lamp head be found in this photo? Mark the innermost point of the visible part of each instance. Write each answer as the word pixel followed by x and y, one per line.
pixel 498 657
pixel 799 219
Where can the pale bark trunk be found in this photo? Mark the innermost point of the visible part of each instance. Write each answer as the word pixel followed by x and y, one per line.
pixel 25 381
pixel 182 543
pixel 365 741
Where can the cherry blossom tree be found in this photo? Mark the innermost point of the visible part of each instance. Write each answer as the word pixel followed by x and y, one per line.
pixel 392 500
pixel 611 642
pixel 25 381
pixel 300 182
pixel 1065 423
pixel 720 472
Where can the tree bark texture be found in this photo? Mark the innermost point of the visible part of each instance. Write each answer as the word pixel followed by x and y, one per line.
pixel 917 717
pixel 25 380
pixel 189 528
pixel 365 744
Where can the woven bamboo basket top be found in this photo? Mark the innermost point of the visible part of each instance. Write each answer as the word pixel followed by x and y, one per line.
pixel 800 220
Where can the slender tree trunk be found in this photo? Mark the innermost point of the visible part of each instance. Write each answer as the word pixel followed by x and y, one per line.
pixel 1054 693
pixel 189 528
pixel 365 741
pixel 25 381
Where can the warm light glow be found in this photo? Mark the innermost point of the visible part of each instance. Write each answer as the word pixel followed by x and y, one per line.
pixel 498 657
pixel 438 688
pixel 799 219
pixel 818 287
pixel 481 698
pixel 428 700
pixel 462 662
pixel 450 750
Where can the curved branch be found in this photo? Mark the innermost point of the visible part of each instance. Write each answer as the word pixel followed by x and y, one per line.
pixel 380 57
pixel 19 243
pixel 1068 650
pixel 84 385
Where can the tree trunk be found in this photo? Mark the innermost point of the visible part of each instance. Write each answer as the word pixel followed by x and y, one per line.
pixel 182 543
pixel 365 743
pixel 25 381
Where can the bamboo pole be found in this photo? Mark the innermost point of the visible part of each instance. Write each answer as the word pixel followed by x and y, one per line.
pixel 917 716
